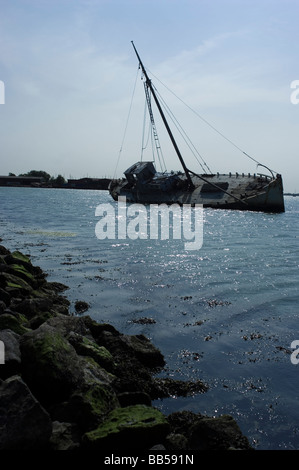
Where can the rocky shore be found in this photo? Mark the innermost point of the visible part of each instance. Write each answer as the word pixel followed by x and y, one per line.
pixel 70 383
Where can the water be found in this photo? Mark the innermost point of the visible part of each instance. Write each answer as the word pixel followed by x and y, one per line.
pixel 225 314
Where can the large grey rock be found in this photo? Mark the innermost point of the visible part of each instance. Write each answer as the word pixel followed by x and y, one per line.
pixel 64 437
pixel 50 364
pixel 24 423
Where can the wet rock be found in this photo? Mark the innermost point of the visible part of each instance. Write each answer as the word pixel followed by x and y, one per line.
pixel 57 286
pixel 134 398
pixel 50 364
pixel 144 350
pixel 67 325
pixel 165 387
pixel 144 321
pixel 2 306
pixel 221 433
pixel 5 297
pixel 14 322
pixel 32 306
pixel 81 306
pixel 24 423
pixel 88 405
pixel 208 433
pixel 136 426
pixel 64 437
pixel 176 442
pixel 86 347
pixel 15 285
pixel 3 250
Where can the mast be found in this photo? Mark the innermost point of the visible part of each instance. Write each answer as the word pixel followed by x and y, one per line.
pixel 149 84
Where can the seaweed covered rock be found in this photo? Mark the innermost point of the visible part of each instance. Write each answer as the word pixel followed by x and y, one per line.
pixel 138 426
pixel 50 364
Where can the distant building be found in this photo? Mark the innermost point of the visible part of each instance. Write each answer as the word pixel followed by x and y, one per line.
pixel 88 183
pixel 20 181
pixel 33 181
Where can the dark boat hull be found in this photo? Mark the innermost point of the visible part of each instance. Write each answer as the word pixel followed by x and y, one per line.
pixel 231 191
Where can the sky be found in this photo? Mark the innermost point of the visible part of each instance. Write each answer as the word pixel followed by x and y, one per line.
pixel 72 97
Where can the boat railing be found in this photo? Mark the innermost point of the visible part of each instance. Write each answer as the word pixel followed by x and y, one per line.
pixel 266 177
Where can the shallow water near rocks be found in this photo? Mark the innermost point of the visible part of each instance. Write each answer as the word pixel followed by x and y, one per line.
pixel 225 314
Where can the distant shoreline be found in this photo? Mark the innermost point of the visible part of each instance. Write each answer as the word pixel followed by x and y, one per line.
pixel 36 182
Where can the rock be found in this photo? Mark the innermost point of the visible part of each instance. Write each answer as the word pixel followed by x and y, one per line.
pixel 134 398
pixel 221 433
pixel 208 433
pixel 66 325
pixel 88 407
pixel 3 250
pixel 92 399
pixel 100 330
pixel 24 423
pixel 12 364
pixel 22 261
pixel 18 257
pixel 144 321
pixel 4 296
pixel 81 306
pixel 144 350
pixel 176 442
pixel 50 364
pixel 57 286
pixel 138 427
pixel 14 285
pixel 86 347
pixel 165 387
pixel 14 322
pixel 31 306
pixel 64 437
pixel 21 272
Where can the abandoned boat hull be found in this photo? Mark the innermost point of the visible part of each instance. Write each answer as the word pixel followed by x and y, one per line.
pixel 221 191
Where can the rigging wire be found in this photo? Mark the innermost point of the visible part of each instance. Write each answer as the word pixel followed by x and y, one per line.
pixel 184 135
pixel 213 127
pixel 147 136
pixel 127 122
pixel 144 144
pixel 154 133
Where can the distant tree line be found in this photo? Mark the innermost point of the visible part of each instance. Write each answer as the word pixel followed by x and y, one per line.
pixel 58 181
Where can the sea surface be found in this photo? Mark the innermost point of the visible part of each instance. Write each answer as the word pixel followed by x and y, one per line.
pixel 226 313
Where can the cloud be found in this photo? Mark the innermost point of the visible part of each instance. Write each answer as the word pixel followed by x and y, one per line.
pixel 218 73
